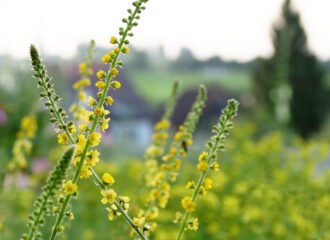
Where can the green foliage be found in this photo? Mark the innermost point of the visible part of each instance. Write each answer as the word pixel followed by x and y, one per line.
pixel 44 203
pixel 291 83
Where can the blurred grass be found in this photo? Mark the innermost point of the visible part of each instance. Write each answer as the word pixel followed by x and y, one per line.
pixel 153 84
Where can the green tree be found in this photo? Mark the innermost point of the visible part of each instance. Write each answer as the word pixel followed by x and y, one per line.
pixel 291 82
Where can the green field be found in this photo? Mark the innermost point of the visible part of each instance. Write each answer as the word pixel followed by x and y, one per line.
pixel 155 85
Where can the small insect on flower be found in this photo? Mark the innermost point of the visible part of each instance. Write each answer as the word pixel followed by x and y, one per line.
pixel 108 179
pixel 70 187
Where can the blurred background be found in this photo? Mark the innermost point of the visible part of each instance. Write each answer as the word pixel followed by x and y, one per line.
pixel 273 56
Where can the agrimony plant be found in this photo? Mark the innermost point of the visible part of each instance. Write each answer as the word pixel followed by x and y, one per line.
pixel 44 204
pixel 163 171
pixel 207 162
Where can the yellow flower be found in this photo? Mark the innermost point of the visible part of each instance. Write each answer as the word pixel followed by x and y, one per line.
pixel 83 127
pixel 117 50
pixel 101 74
pixel 109 100
pixel 109 196
pixel 111 53
pixel 100 84
pixel 188 204
pixel 208 183
pixel 70 187
pixel 80 144
pixel 125 50
pixel 94 139
pixel 108 179
pixel 114 72
pixel 190 185
pixel 215 167
pixel 82 95
pixel 116 84
pixel 82 67
pixel 193 224
pixel 178 217
pixel 62 138
pixel 71 216
pixel 202 166
pixel 106 59
pixel 85 172
pixel 203 156
pixel 105 124
pixel 139 221
pixel 164 124
pixel 91 101
pixel 112 213
pixel 92 157
pixel 98 111
pixel 113 40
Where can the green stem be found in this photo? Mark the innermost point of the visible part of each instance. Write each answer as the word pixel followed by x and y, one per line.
pixel 122 211
pixel 94 125
pixel 197 188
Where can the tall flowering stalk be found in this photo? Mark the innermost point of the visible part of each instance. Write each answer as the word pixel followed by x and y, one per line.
pixel 86 159
pixel 162 176
pixel 207 162
pixel 44 203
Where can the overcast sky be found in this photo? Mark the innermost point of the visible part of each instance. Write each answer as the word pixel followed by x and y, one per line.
pixel 233 29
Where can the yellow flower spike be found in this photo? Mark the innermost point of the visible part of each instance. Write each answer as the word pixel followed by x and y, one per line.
pixel 106 59
pixel 139 222
pixel 70 187
pixel 117 50
pixel 98 111
pixel 62 138
pixel 95 138
pixel 101 74
pixel 114 72
pixel 125 50
pixel 188 204
pixel 108 196
pixel 91 101
pixel 100 84
pixel 202 166
pixel 113 40
pixel 108 179
pixel 109 100
pixel 116 84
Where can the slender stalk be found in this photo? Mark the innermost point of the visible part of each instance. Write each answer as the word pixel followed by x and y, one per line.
pixel 87 145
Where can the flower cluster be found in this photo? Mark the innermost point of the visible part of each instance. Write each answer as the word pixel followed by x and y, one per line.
pixel 161 178
pixel 85 71
pixel 23 144
pixel 207 162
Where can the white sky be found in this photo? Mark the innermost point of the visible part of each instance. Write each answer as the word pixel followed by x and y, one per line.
pixel 233 29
